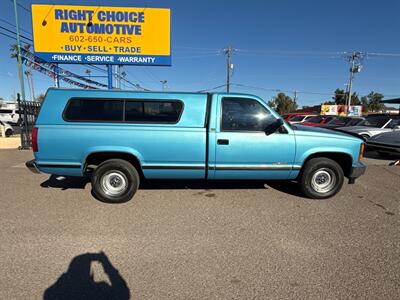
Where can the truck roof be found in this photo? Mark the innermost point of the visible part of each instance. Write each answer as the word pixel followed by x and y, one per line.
pixel 146 92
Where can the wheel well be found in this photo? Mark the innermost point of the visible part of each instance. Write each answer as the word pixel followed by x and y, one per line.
pixel 95 159
pixel 344 160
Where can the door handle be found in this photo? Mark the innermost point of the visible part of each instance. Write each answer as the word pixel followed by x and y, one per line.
pixel 222 142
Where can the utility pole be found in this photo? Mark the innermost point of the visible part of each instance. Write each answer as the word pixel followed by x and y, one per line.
pixel 295 98
pixel 19 60
pixel 355 60
pixel 88 72
pixel 29 82
pixel 123 75
pixel 164 84
pixel 228 68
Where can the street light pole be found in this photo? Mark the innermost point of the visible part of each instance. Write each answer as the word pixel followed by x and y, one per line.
pixel 19 60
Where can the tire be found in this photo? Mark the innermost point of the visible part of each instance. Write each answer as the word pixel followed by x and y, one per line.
pixel 365 137
pixel 8 132
pixel 317 170
pixel 115 181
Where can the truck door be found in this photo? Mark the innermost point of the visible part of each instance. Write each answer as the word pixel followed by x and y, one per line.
pixel 242 149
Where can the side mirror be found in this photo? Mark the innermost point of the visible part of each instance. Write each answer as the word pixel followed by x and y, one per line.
pixel 270 129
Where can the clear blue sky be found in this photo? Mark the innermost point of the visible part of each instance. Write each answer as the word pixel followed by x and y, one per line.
pixel 287 45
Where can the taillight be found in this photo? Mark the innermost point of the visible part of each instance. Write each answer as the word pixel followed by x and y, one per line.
pixel 362 147
pixel 35 132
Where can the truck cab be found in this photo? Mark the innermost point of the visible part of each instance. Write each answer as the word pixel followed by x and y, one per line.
pixel 121 137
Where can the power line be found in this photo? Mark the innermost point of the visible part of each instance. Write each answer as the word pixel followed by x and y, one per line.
pixel 23 7
pixel 13 25
pixel 198 56
pixel 13 32
pixel 211 89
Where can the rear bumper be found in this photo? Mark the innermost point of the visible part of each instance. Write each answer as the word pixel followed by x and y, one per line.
pixel 31 165
pixel 357 170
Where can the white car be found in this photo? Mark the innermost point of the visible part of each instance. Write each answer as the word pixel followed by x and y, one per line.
pixel 7 128
pixel 300 119
pixel 9 115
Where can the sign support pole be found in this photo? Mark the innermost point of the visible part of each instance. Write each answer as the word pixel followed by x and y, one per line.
pixel 19 59
pixel 110 77
pixel 57 77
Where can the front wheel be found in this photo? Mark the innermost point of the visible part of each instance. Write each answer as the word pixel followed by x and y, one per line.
pixel 115 181
pixel 321 178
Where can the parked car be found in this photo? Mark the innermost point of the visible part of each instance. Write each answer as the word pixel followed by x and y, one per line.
pixel 289 116
pixel 8 130
pixel 340 121
pixel 119 137
pixel 301 118
pixel 318 120
pixel 387 142
pixel 373 125
pixel 10 116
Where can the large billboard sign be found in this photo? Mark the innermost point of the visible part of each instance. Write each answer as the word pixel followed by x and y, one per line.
pixel 102 35
pixel 340 110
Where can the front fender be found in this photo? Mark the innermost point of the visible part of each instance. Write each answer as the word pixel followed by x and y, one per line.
pixel 304 155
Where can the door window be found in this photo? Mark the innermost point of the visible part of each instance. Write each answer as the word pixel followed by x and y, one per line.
pixel 242 114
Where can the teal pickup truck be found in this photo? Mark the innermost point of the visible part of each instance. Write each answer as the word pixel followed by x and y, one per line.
pixel 121 137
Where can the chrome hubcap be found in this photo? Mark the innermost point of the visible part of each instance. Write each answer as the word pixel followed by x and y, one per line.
pixel 114 183
pixel 323 181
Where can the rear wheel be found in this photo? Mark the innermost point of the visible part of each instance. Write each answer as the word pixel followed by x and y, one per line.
pixel 321 178
pixel 115 181
pixel 8 132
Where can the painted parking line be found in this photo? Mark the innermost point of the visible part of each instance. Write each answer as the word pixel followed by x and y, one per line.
pixel 21 165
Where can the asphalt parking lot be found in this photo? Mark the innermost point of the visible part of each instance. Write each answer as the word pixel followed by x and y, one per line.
pixel 196 241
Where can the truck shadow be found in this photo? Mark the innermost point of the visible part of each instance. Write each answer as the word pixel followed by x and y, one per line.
pixel 80 282
pixel 65 182
pixel 288 187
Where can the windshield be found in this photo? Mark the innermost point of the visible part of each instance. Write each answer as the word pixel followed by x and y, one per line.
pixel 339 121
pixel 315 119
pixel 375 121
pixel 297 118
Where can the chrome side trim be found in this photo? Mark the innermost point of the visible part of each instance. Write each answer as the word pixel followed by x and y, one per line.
pixel 255 167
pixel 173 167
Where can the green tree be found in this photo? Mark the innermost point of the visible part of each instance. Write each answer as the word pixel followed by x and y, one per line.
pixel 374 101
pixel 271 103
pixel 39 98
pixel 341 96
pixel 14 50
pixel 283 104
pixel 329 103
pixel 364 103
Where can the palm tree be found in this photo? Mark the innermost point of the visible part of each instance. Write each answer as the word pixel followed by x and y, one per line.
pixel 29 74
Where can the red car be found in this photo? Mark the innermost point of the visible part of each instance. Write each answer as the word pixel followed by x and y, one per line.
pixel 318 120
pixel 287 117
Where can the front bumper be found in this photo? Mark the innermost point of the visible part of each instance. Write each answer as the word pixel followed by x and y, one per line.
pixel 31 165
pixel 356 171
